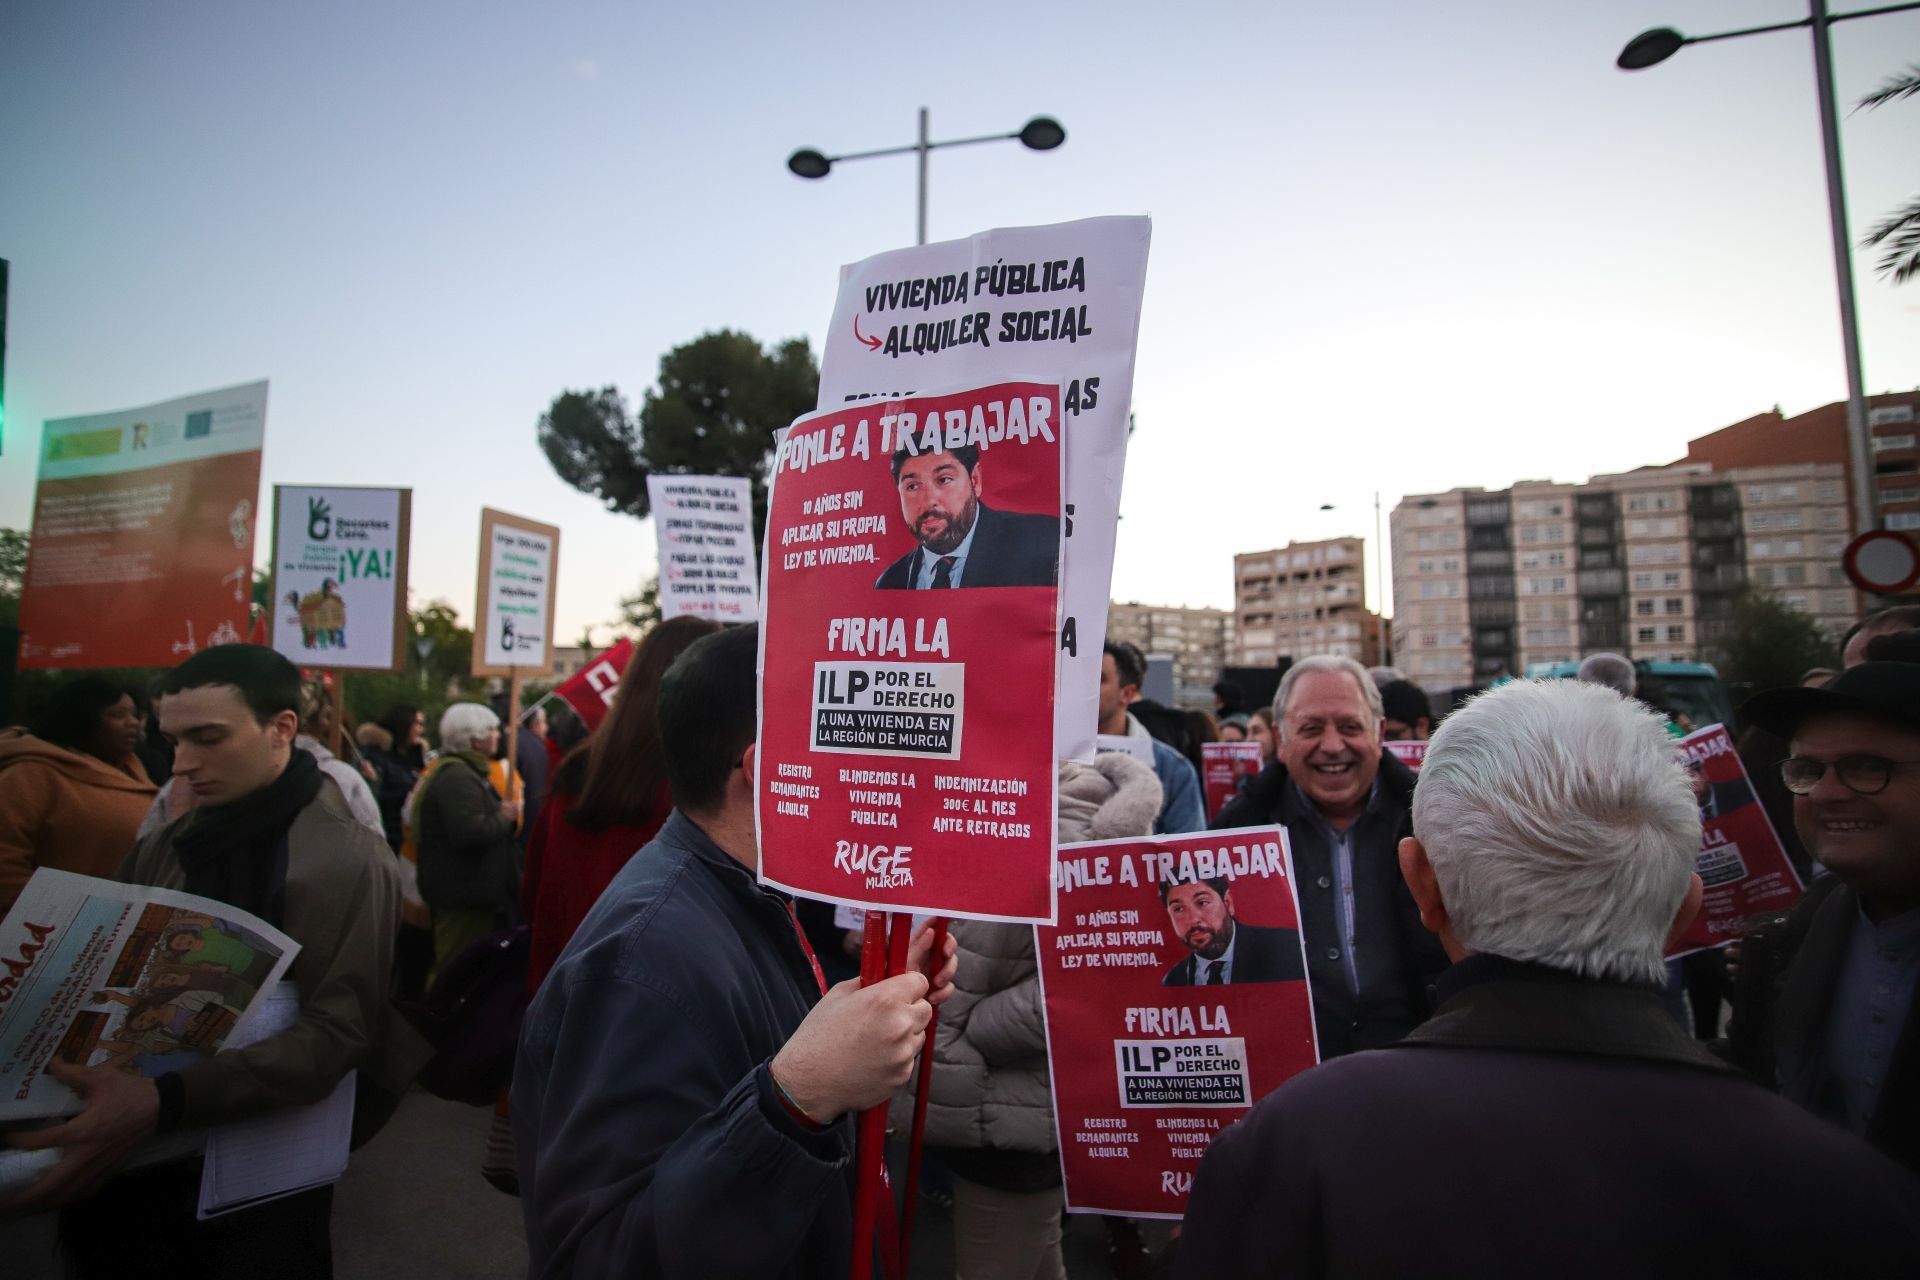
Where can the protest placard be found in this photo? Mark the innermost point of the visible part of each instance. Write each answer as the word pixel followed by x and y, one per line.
pixel 907 654
pixel 1140 749
pixel 339 595
pixel 513 628
pixel 1176 997
pixel 1742 865
pixel 142 546
pixel 1228 764
pixel 105 974
pixel 1411 753
pixel 703 526
pixel 1057 304
pixel 589 691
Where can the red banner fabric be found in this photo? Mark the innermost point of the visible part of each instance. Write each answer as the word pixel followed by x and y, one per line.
pixel 589 690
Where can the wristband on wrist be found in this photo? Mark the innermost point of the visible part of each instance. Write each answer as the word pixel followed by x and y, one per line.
pixel 792 1108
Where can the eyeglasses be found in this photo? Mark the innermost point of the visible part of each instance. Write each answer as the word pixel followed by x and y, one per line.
pixel 1863 775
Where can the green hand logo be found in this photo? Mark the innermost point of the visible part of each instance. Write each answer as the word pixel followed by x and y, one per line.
pixel 319 519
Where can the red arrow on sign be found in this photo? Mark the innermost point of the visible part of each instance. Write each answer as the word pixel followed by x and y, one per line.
pixel 873 344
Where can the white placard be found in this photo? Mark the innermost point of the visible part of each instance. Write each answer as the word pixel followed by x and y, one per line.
pixel 517 563
pixel 704 527
pixel 339 576
pixel 1058 304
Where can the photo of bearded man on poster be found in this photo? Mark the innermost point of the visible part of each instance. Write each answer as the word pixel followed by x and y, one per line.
pixel 1223 949
pixel 964 542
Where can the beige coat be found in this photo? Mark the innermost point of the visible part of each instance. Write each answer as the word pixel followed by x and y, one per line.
pixel 343 908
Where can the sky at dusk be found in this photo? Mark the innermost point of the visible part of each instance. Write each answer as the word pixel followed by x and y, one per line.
pixel 1397 246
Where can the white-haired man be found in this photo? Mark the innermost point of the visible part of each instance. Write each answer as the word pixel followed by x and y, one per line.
pixel 1346 803
pixel 1610 670
pixel 1550 1119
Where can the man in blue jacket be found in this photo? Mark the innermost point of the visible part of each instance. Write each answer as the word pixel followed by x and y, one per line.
pixel 1121 671
pixel 683 1094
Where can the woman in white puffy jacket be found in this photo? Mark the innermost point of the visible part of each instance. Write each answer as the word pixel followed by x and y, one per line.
pixel 989 1115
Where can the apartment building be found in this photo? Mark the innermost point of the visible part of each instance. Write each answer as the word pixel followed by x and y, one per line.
pixel 1647 564
pixel 1199 640
pixel 1820 435
pixel 1301 599
pixel 1894 422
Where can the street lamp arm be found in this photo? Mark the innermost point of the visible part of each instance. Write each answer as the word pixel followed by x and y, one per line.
pixel 1656 46
pixel 1873 13
pixel 1754 31
pixel 931 146
pixel 1807 22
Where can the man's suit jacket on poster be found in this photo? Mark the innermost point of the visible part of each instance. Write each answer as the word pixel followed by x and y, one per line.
pixel 1010 549
pixel 1261 953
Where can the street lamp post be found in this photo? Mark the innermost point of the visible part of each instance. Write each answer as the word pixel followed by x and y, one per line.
pixel 1661 43
pixel 1042 133
pixel 1379 577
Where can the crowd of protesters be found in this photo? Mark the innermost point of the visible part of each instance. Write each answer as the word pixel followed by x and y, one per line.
pixel 1513 1081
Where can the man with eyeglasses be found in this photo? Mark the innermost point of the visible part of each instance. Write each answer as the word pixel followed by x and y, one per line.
pixel 1825 1002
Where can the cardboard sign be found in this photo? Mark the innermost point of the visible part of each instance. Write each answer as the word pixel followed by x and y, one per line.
pixel 1056 304
pixel 142 548
pixel 704 527
pixel 339 596
pixel 907 654
pixel 1742 864
pixel 514 606
pixel 1227 764
pixel 1411 753
pixel 590 690
pixel 1176 998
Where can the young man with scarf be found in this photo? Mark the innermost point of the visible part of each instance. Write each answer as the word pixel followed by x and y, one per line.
pixel 269 837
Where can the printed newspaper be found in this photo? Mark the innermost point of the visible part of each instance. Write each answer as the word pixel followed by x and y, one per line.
pixel 106 974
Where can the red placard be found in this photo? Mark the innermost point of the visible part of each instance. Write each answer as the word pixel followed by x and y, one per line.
pixel 1226 764
pixel 1148 1066
pixel 1741 863
pixel 142 549
pixel 1412 753
pixel 906 745
pixel 590 690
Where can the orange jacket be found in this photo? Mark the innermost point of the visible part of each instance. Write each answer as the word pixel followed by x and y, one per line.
pixel 64 809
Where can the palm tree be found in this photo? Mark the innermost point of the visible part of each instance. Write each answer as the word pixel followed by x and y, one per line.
pixel 1899 231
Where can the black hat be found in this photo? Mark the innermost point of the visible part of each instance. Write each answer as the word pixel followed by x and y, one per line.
pixel 1884 690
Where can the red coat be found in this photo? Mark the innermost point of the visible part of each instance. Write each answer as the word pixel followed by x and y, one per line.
pixel 568 868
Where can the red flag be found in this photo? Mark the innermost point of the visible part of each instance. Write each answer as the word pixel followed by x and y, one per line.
pixel 590 690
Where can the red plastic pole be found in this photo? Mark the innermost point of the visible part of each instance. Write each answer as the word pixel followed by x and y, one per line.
pixel 892 1247
pixel 892 1254
pixel 870 1137
pixel 918 1140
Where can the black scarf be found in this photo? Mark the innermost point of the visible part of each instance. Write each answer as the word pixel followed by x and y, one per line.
pixel 237 853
